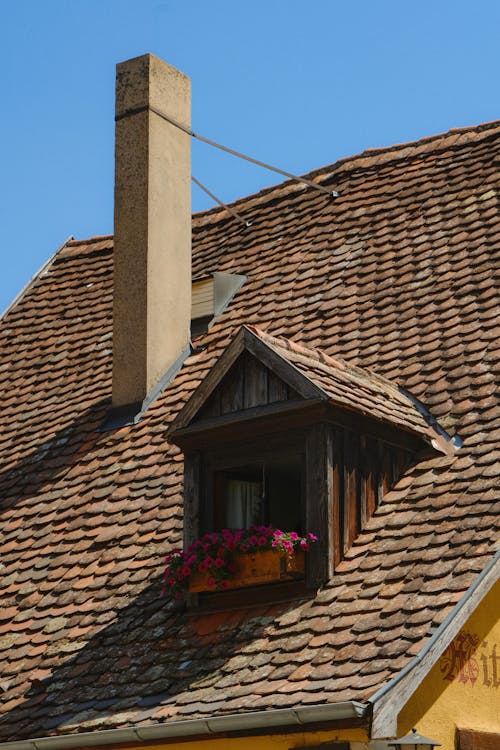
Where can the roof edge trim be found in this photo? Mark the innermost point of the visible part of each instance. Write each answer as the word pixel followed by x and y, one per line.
pixel 35 276
pixel 390 699
pixel 246 339
pixel 256 720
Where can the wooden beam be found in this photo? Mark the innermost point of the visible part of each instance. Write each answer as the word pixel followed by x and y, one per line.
pixel 261 419
pixel 470 739
pixel 319 503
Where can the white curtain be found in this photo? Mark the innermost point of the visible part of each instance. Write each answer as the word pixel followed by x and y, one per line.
pixel 243 503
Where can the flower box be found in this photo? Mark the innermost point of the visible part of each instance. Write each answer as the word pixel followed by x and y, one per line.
pixel 253 568
pixel 235 558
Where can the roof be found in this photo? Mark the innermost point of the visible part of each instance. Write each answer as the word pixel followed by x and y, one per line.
pixel 322 377
pixel 396 276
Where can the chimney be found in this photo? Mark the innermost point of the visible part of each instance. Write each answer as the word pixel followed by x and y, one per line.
pixel 152 245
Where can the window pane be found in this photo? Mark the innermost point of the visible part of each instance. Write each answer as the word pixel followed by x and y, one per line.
pixel 267 492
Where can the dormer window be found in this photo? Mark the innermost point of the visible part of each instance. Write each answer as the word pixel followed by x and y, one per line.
pixel 267 490
pixel 281 435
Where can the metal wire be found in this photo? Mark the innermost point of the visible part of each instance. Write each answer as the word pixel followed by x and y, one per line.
pixel 314 185
pixel 221 203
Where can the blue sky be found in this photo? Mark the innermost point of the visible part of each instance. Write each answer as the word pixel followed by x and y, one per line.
pixel 297 83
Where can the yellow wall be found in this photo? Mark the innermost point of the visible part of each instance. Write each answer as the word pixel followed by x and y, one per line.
pixel 273 742
pixel 463 688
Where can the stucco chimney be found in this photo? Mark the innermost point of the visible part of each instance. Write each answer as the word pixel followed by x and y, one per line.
pixel 152 245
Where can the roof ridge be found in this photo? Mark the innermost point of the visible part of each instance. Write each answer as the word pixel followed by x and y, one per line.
pixel 318 355
pixel 376 155
pixel 322 357
pixel 90 240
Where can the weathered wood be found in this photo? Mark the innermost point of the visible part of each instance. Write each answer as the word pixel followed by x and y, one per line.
pixel 277 389
pixel 268 592
pixel 255 388
pixel 380 471
pixel 231 388
pixel 470 739
pixel 202 393
pixel 254 568
pixel 319 508
pixel 192 489
pixel 375 428
pixel 282 368
pixel 350 490
pixel 337 495
pixel 260 420
pixel 370 463
pixel 212 407
pixel 362 481
pixel 254 450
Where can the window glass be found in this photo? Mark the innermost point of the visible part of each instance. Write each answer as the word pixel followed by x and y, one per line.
pixel 266 492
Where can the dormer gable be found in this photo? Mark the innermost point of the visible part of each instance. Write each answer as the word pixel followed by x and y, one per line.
pixel 260 374
pixel 300 427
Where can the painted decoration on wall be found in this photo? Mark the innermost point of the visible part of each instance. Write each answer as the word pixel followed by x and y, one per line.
pixel 470 660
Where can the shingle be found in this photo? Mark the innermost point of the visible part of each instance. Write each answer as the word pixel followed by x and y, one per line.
pixel 395 277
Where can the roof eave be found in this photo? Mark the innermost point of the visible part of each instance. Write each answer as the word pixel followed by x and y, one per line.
pixel 254 722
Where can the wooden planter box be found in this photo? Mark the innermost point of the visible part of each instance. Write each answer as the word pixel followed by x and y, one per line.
pixel 253 568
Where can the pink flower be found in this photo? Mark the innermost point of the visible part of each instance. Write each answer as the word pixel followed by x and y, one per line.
pixel 186 571
pixel 304 545
pixel 224 584
pixel 203 566
pixel 252 541
pixel 219 563
pixel 313 537
pixel 294 536
pixel 211 581
pixel 262 541
pixel 244 547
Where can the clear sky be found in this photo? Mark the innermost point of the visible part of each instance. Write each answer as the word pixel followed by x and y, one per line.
pixel 297 83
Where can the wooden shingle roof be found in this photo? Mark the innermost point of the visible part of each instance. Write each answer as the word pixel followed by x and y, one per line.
pixel 397 276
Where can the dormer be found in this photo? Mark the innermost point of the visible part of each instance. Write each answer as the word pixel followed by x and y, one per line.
pixel 286 436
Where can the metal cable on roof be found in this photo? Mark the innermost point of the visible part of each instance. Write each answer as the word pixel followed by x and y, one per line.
pixel 185 129
pixel 221 203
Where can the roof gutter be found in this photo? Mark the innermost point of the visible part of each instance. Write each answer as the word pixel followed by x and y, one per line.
pixel 249 722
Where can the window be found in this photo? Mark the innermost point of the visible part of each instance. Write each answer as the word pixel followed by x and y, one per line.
pixel 267 441
pixel 268 491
